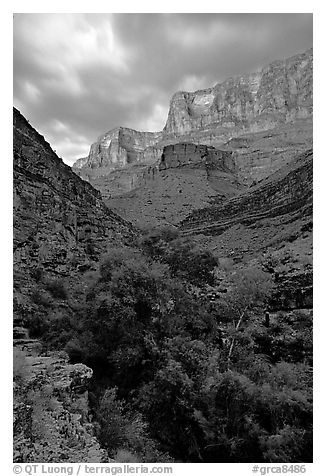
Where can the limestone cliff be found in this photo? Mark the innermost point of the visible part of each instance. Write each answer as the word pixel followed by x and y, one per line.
pixel 121 150
pixel 279 94
pixel 120 147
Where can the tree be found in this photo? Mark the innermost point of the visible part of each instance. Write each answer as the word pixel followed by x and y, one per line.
pixel 250 291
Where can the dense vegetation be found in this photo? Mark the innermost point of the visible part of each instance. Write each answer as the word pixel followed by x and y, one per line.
pixel 180 372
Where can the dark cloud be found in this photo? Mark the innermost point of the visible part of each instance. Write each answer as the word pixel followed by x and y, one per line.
pixel 79 75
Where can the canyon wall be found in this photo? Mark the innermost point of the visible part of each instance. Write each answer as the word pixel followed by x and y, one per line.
pixel 279 95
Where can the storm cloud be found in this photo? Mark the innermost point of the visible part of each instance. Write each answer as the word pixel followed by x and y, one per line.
pixel 77 76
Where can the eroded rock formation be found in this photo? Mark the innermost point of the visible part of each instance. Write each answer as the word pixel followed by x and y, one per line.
pixel 287 191
pixel 278 95
pixel 52 422
pixel 59 219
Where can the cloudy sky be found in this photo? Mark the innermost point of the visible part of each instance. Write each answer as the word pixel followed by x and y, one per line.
pixel 77 76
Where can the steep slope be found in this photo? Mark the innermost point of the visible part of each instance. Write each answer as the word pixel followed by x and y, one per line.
pixel 61 225
pixel 269 223
pixel 187 177
pixel 61 228
pixel 258 155
pixel 287 191
pixel 58 217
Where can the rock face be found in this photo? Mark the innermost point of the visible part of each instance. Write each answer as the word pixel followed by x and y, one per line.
pixel 118 148
pixel 286 192
pixel 279 93
pixel 118 160
pixel 187 177
pixel 61 227
pixel 52 421
pixel 277 96
pixel 57 216
pixel 220 166
pixel 258 155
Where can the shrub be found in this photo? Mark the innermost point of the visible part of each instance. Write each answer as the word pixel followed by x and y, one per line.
pixel 57 289
pixel 111 420
pixel 37 325
pixel 37 274
pixel 155 241
pixel 20 368
pixel 125 456
pixel 191 263
pixel 41 297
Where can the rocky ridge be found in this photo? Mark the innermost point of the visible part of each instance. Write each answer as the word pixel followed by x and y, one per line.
pixel 60 221
pixel 285 192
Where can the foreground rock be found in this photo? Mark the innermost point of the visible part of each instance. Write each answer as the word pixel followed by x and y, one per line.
pixel 52 422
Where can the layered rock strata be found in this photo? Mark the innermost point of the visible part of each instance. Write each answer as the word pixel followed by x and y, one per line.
pixel 57 216
pixel 287 191
pixel 61 227
pixel 279 94
pixel 188 176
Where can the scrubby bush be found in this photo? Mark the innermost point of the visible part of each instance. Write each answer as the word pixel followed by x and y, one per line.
pixel 124 433
pixel 20 368
pixel 57 289
pixel 37 274
pixel 191 263
pixel 41 297
pixel 178 374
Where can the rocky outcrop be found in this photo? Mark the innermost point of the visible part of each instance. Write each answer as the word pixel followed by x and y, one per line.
pixel 258 155
pixel 52 420
pixel 57 216
pixel 220 166
pixel 187 177
pixel 279 93
pixel 118 181
pixel 118 148
pixel 183 154
pixel 61 227
pixel 118 160
pixel 288 191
